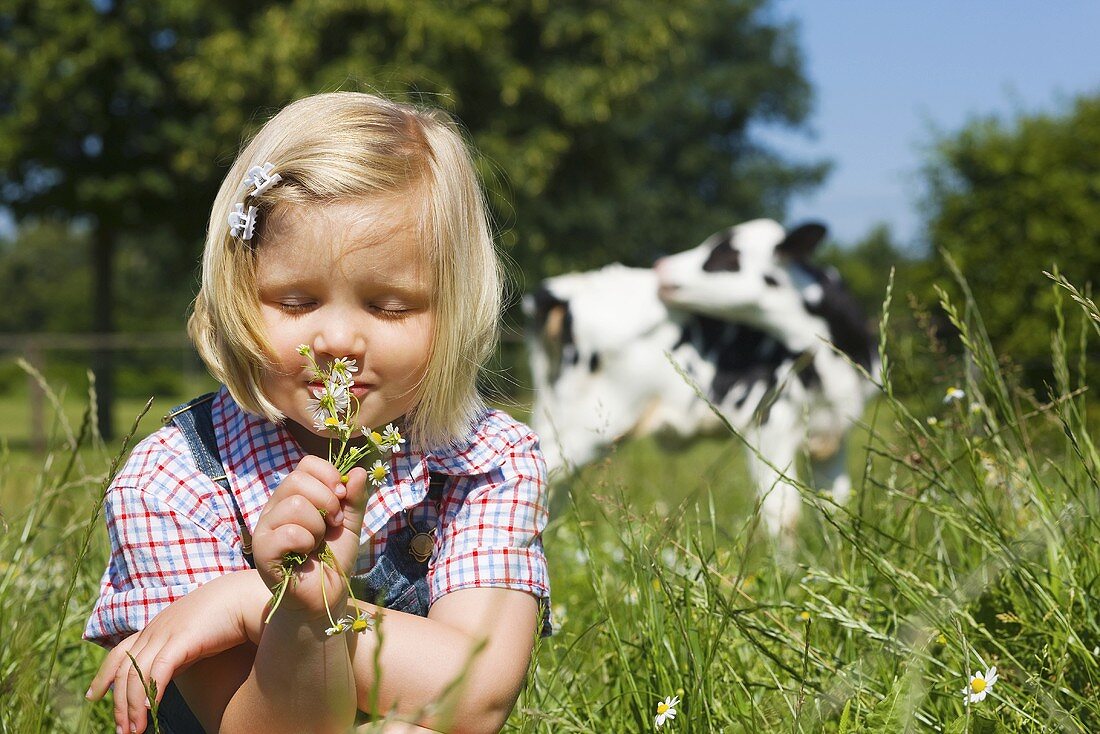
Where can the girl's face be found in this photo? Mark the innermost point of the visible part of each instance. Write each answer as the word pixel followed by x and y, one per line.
pixel 349 279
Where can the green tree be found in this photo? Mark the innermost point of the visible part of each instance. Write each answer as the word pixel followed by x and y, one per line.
pixel 609 131
pixel 90 127
pixel 1010 200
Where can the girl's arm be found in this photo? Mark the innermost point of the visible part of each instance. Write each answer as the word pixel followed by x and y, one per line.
pixel 458 670
pixel 301 679
pixel 292 669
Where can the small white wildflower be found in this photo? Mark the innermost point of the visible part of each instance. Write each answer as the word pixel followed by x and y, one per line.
pixel 304 350
pixel 669 558
pixel 361 623
pixel 666 710
pixel 953 394
pixel 932 421
pixel 337 391
pixel 391 437
pixel 975 407
pixel 332 423
pixel 979 686
pixel 378 473
pixel 338 628
pixel 343 365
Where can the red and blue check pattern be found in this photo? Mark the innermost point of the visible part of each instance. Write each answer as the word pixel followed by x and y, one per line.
pixel 172 528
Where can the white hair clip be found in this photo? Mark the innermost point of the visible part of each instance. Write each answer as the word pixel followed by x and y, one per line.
pixel 242 223
pixel 262 178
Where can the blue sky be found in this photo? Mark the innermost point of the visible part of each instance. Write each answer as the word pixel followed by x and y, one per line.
pixel 889 74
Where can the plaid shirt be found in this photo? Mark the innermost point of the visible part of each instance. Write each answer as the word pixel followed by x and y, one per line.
pixel 172 528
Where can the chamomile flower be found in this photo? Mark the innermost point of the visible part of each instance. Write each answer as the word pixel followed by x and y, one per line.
pixel 980 684
pixel 332 423
pixel 391 437
pixel 342 365
pixel 339 627
pixel 932 421
pixel 953 394
pixel 378 473
pixel 338 392
pixel 362 622
pixel 304 350
pixel 666 711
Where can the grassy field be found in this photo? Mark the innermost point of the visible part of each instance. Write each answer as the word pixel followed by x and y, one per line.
pixel 970 542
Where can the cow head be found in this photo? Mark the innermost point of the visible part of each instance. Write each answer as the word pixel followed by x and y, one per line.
pixel 760 274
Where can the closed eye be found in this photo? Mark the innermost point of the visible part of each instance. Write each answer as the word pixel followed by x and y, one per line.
pixel 296 308
pixel 391 312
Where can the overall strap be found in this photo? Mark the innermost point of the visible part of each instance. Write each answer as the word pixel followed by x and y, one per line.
pixel 196 422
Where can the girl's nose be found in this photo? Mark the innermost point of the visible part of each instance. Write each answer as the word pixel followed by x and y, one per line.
pixel 339 337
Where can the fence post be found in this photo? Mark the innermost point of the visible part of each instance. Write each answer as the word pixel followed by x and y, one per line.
pixel 36 398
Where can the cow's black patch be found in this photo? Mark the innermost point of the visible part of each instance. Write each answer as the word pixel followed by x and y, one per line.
pixel 741 355
pixel 806 372
pixel 724 256
pixel 594 362
pixel 560 348
pixel 843 316
pixel 769 280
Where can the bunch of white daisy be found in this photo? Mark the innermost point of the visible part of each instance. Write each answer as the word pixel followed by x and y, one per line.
pixel 335 409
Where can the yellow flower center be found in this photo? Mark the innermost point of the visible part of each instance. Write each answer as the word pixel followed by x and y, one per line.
pixel 331 422
pixel 977 685
pixel 359 625
pixel 376 436
pixel 662 707
pixel 378 472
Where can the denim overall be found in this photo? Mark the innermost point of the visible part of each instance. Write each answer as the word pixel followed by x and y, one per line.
pixel 396 581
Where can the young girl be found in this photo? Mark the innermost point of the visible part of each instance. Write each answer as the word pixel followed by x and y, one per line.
pixel 355 227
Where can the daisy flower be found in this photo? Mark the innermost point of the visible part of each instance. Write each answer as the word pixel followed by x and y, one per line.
pixel 339 627
pixel 377 473
pixel 344 366
pixel 361 623
pixel 391 437
pixel 666 711
pixel 953 393
pixel 979 686
pixel 332 423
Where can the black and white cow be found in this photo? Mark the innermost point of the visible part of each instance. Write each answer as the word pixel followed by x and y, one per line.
pixel 744 315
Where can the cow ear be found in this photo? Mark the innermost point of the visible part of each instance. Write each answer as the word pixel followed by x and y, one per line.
pixel 802 241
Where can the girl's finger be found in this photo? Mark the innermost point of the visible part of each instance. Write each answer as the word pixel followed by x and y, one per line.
pixel 317 467
pixel 137 703
pixel 297 510
pixel 105 676
pixel 122 719
pixel 319 494
pixel 293 539
pixel 356 499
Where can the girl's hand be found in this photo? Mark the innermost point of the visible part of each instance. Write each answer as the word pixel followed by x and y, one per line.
pixel 310 506
pixel 209 620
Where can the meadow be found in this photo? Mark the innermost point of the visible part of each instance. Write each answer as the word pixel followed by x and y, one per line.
pixel 970 542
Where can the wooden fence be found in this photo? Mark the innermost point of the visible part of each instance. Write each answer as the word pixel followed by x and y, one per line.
pixel 36 348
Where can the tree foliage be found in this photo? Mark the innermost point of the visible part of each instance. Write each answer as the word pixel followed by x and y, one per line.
pixel 607 131
pixel 1010 200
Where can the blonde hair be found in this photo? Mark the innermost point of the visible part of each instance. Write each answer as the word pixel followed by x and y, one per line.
pixel 349 145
